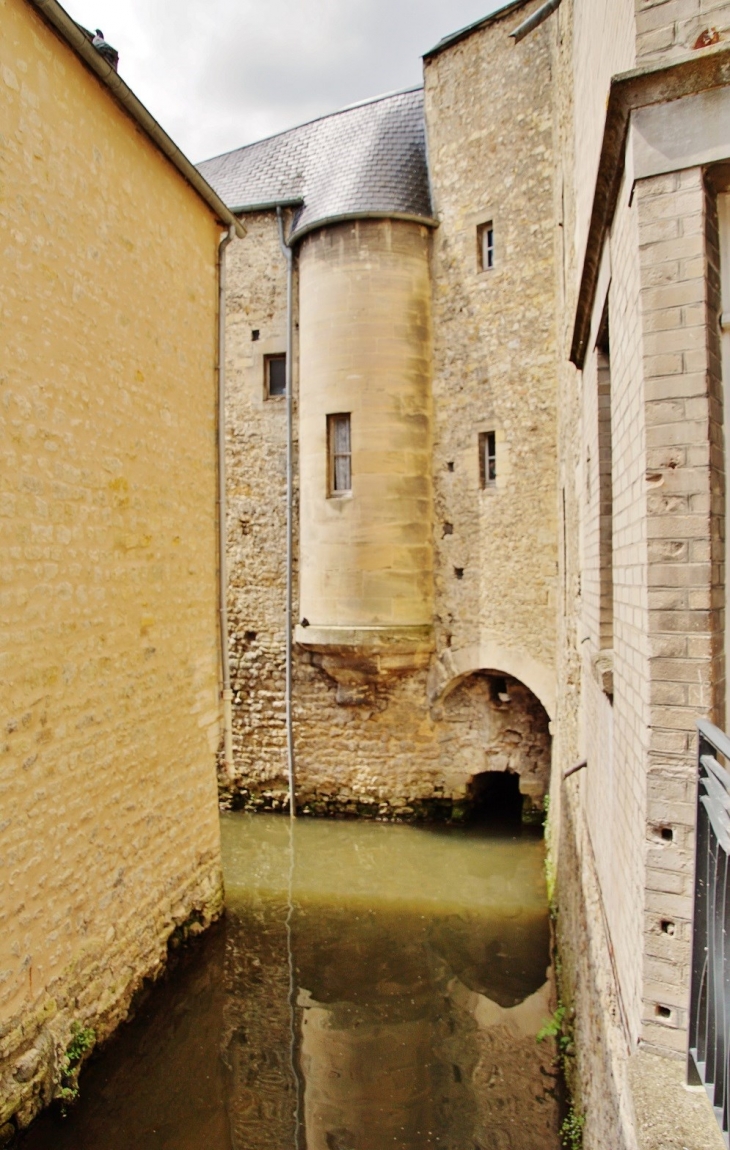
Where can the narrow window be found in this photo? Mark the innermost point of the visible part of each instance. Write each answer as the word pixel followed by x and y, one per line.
pixel 487 459
pixel 605 487
pixel 340 454
pixel 485 246
pixel 275 375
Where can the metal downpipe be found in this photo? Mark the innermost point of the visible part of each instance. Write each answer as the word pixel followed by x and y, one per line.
pixel 289 257
pixel 226 693
pixel 535 20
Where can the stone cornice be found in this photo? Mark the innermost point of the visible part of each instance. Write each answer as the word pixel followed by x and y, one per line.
pixel 656 84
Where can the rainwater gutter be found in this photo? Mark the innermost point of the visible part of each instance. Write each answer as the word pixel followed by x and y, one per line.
pixel 226 692
pixel 289 257
pixel 535 20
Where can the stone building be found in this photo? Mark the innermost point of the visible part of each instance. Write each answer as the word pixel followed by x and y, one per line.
pixel 640 117
pixel 110 655
pixel 508 361
pixel 424 370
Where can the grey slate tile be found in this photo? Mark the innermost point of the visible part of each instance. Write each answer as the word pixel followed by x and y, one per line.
pixel 370 158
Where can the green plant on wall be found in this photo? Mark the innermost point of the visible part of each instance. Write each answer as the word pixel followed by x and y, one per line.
pixel 83 1039
pixel 571 1132
pixel 560 1028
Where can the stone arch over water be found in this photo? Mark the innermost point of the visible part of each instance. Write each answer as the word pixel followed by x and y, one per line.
pixel 495 733
pixel 455 664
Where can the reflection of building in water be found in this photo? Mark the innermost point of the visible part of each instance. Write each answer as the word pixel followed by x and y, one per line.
pixel 418 962
pixel 370 1081
pixel 395 1032
pixel 398 1015
pixel 256 1036
pixel 416 999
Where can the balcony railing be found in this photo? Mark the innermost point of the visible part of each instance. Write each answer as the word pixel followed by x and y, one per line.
pixel 709 1034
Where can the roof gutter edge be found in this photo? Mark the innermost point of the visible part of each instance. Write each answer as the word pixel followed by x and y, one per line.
pixel 268 206
pixel 58 18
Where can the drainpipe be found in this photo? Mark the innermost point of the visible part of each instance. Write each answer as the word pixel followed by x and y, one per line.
pixel 227 693
pixel 537 18
pixel 289 257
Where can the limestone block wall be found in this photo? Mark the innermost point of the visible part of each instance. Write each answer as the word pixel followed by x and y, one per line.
pixel 109 660
pixel 667 29
pixel 591 42
pixel 490 132
pixel 365 350
pixel 685 596
pixel 614 801
pixel 603 38
pixel 622 829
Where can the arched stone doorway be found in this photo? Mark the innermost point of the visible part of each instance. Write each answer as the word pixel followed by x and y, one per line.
pixel 495 746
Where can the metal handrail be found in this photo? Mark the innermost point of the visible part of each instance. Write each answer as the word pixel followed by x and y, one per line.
pixel 709 1030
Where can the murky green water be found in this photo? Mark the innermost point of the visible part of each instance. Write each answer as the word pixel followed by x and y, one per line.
pixel 372 987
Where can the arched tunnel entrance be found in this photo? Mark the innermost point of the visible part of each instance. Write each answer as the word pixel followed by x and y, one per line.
pixel 494 799
pixel 499 749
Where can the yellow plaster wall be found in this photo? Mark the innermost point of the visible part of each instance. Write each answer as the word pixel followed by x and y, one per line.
pixel 108 644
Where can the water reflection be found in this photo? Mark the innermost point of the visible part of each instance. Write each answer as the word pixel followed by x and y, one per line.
pixel 373 986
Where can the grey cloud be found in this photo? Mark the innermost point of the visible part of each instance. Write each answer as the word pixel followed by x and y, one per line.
pixel 222 73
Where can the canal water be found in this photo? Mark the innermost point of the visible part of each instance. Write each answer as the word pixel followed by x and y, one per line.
pixel 372 987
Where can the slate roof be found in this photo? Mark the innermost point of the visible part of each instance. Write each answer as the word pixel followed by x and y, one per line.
pixel 366 160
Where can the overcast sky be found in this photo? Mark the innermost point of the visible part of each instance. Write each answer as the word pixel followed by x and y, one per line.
pixel 221 73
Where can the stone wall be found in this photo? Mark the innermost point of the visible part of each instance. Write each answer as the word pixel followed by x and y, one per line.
pixel 490 133
pixel 109 835
pixel 668 29
pixel 406 744
pixel 622 830
pixel 256 475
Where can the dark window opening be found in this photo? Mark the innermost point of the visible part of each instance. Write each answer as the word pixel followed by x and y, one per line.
pixel 605 485
pixel 488 458
pixel 275 368
pixel 499 691
pixel 459 572
pixel 255 333
pixel 450 466
pixel 495 800
pixel 339 453
pixel 485 246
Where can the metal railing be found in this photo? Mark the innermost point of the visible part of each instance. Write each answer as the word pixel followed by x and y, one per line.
pixel 709 1036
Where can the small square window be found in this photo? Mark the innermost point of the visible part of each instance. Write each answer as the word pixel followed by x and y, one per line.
pixel 488 459
pixel 339 454
pixel 485 246
pixel 275 375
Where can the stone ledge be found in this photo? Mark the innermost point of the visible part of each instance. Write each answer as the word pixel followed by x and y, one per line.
pixel 358 658
pixel 401 640
pixel 669 1114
